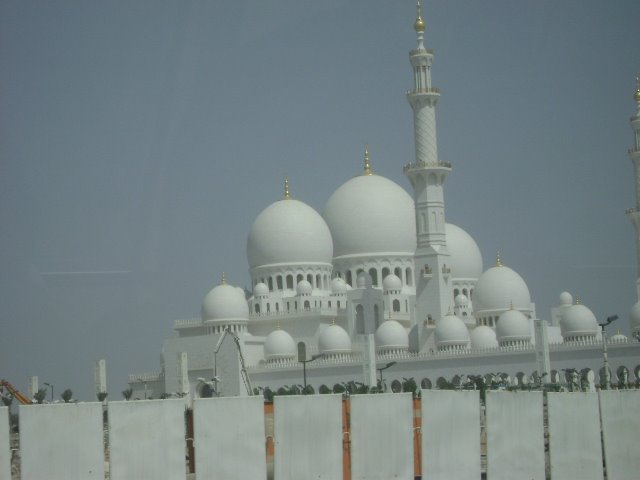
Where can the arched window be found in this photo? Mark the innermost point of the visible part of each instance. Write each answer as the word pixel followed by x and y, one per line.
pixel 329 303
pixel 299 278
pixel 318 281
pixel 456 292
pixel 288 306
pixel 349 279
pixel 374 276
pixel 310 279
pixel 359 319
pixel 290 282
pixel 338 304
pixel 268 307
pixel 396 305
pixel 385 272
pixel 307 306
pixel 256 308
pixel 270 284
pixel 465 292
pixel 279 282
pixel 277 307
pixel 409 277
pixel 398 273
pixel 406 305
pixel 376 316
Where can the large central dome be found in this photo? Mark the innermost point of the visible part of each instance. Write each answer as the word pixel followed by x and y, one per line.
pixel 371 215
pixel 289 232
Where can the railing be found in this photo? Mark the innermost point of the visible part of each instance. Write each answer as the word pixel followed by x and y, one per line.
pixel 416 165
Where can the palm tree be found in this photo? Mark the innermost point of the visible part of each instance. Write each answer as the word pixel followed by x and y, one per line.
pixel 67 395
pixel 101 396
pixel 127 393
pixel 40 395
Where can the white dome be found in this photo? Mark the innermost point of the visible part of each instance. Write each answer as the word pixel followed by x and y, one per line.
pixel 278 345
pixel 465 258
pixel 304 288
pixel 634 317
pixel 461 300
pixel 392 336
pixel 260 289
pixel 334 339
pixel 370 214
pixel 578 321
pixel 513 325
pixel 391 282
pixel 483 337
pixel 338 286
pixel 289 232
pixel 618 337
pixel 499 288
pixel 450 330
pixel 565 299
pixel 364 280
pixel 225 302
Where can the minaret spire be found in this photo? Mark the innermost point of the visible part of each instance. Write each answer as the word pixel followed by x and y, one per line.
pixel 367 164
pixel 287 194
pixel 427 175
pixel 634 156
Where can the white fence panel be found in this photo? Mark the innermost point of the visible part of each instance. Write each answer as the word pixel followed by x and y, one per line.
pixel 515 436
pixel 147 440
pixel 450 434
pixel 621 433
pixel 308 437
pixel 229 438
pixel 5 454
pixel 382 436
pixel 63 441
pixel 575 450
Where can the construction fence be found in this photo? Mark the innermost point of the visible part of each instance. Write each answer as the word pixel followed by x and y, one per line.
pixel 442 435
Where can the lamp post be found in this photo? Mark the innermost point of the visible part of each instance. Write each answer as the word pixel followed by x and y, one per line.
pixel 607 375
pixel 381 369
pixel 302 358
pixel 51 387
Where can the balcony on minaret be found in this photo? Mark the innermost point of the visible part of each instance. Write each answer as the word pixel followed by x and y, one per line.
pixel 422 165
pixel 426 271
pixel 446 271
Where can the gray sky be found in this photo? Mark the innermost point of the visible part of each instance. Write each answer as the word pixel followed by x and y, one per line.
pixel 143 138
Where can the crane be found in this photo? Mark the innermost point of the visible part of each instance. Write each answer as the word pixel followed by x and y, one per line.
pixel 14 392
pixel 243 370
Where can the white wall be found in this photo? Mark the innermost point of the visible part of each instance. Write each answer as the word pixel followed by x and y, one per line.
pixel 620 412
pixel 5 454
pixel 61 441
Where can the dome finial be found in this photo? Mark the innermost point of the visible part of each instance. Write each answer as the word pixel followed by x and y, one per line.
pixel 498 259
pixel 577 300
pixel 418 26
pixel 511 305
pixel 223 280
pixel 636 95
pixel 333 321
pixel 287 194
pixel 367 164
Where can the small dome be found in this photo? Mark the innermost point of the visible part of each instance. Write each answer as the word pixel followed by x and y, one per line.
pixel 578 321
pixel 392 336
pixel 287 232
pixel 279 345
pixel 565 299
pixel 483 337
pixel 513 325
pixel 225 302
pixel 451 330
pixel 634 317
pixel 391 282
pixel 618 337
pixel 338 286
pixel 364 280
pixel 334 339
pixel 465 259
pixel 260 289
pixel 499 287
pixel 304 288
pixel 370 214
pixel 461 300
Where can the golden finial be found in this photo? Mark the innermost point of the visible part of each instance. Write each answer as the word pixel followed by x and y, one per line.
pixel 511 305
pixel 636 96
pixel 577 300
pixel 367 164
pixel 419 25
pixel 278 324
pixel 498 259
pixel 223 281
pixel 333 321
pixel 287 194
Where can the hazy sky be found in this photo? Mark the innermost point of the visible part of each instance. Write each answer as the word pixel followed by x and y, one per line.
pixel 144 137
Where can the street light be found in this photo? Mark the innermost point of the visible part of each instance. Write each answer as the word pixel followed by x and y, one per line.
pixel 302 358
pixel 607 375
pixel 51 387
pixel 381 369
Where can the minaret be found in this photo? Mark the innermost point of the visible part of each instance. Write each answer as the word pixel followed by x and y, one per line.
pixel 427 176
pixel 634 155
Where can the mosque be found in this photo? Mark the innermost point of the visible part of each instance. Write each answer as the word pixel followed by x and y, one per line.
pixel 380 283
